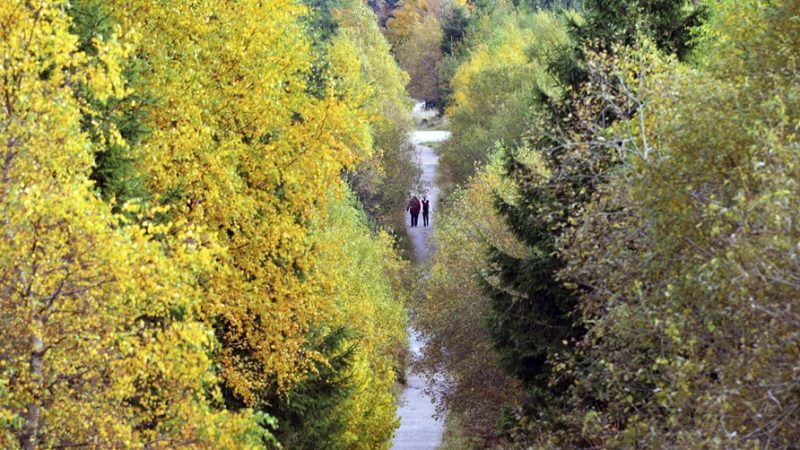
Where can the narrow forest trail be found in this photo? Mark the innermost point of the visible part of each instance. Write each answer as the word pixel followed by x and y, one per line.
pixel 419 430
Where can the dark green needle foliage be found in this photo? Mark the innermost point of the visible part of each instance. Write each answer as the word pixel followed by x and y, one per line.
pixel 115 173
pixel 307 416
pixel 534 316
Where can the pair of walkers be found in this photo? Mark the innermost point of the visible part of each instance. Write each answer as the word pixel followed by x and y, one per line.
pixel 414 207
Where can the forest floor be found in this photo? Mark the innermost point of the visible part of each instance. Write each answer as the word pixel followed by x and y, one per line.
pixel 419 429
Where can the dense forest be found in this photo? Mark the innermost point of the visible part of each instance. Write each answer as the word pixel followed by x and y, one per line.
pixel 202 244
pixel 617 265
pixel 184 259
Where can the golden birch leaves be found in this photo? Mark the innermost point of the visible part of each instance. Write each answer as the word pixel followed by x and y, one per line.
pixel 140 331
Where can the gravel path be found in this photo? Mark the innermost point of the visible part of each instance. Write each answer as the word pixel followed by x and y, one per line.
pixel 419 430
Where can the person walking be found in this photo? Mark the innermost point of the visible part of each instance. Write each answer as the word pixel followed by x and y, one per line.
pixel 426 209
pixel 414 207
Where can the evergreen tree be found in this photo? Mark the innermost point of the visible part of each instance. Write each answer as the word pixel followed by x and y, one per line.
pixel 552 5
pixel 454 30
pixel 321 18
pixel 115 173
pixel 532 311
pixel 533 316
pixel 667 22
pixel 606 23
pixel 307 415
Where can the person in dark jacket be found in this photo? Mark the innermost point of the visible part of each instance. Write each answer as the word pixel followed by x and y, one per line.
pixel 426 209
pixel 414 207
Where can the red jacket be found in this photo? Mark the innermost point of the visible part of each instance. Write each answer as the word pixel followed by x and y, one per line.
pixel 413 206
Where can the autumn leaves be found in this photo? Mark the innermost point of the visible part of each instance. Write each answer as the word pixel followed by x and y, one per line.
pixel 185 320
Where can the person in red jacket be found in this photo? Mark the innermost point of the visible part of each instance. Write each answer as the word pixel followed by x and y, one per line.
pixel 426 209
pixel 414 207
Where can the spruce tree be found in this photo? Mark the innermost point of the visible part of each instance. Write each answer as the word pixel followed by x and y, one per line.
pixel 667 22
pixel 606 23
pixel 309 416
pixel 115 173
pixel 454 30
pixel 534 314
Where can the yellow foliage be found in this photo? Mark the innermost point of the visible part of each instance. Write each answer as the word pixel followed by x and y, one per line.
pixel 107 333
pixel 251 155
pixel 404 19
pixel 382 181
pixel 359 264
pixel 139 332
pixel 507 51
pixel 99 343
pixel 496 88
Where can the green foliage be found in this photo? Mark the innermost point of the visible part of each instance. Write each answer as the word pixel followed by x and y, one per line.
pixel 499 86
pixel 364 270
pixel 454 30
pixel 307 417
pixel 477 389
pixel 115 172
pixel 689 248
pixel 652 306
pixel 382 182
pixel 321 18
pixel 552 5
pixel 668 23
pixel 534 319
pixel 608 24
pixel 420 54
pixel 532 311
pixel 565 103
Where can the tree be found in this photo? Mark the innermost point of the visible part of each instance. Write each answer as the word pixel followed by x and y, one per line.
pixel 308 416
pixel 240 148
pixel 101 343
pixel 498 86
pixel 684 325
pixel 534 317
pixel 419 53
pixel 115 174
pixel 348 400
pixel 165 178
pixel 381 182
pixel 667 22
pixel 454 30
pixel 474 389
pixel 606 25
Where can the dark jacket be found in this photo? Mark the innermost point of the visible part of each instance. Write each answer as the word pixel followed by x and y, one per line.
pixel 413 206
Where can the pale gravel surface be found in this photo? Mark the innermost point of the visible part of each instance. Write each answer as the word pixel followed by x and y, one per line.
pixel 428 137
pixel 419 430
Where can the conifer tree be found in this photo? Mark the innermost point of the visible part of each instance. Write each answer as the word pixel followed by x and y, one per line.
pixel 533 315
pixel 115 172
pixel 308 416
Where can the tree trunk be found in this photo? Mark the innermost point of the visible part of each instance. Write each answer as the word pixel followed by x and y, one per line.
pixel 31 428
